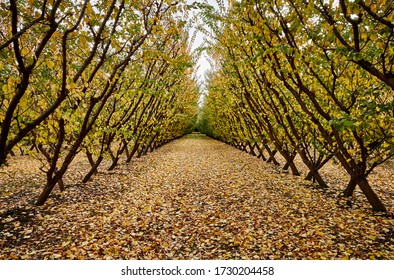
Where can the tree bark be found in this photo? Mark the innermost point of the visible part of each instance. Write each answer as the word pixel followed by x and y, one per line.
pixel 271 155
pixel 373 199
pixel 93 169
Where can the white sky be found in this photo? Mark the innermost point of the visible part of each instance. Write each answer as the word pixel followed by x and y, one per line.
pixel 202 62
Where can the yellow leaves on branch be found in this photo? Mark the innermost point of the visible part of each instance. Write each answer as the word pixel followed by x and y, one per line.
pixel 50 64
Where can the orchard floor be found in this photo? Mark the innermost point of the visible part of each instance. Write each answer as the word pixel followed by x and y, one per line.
pixel 194 198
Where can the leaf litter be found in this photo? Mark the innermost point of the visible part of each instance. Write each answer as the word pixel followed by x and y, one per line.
pixel 195 198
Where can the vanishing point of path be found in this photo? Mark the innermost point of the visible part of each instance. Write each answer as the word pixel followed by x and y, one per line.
pixel 195 198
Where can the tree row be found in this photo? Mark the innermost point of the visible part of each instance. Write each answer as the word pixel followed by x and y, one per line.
pixel 101 79
pixel 307 78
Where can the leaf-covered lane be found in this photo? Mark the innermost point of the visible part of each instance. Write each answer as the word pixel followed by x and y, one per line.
pixel 195 198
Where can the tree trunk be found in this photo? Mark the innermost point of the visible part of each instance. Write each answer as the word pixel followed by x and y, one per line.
pixel 252 152
pixel 114 159
pixel 114 163
pixel 272 155
pixel 89 155
pixel 294 169
pixel 313 174
pixel 261 152
pixel 60 183
pixel 309 176
pixel 152 138
pixel 133 151
pixel 373 199
pixel 350 187
pixel 126 148
pixel 290 163
pixel 48 189
pixel 93 170
pixel 45 193
pixel 289 157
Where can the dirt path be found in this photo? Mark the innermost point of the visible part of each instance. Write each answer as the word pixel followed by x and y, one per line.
pixel 194 198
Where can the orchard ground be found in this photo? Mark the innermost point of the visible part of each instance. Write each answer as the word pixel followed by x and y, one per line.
pixel 195 198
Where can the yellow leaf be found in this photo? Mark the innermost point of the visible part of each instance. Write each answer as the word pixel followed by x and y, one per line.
pixel 11 81
pixel 147 248
pixel 50 64
pixel 83 40
pixel 237 243
pixel 125 223
pixel 24 51
pixel 318 232
pixel 373 36
pixel 13 256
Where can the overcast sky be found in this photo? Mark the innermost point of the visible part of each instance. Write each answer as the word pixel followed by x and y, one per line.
pixel 202 62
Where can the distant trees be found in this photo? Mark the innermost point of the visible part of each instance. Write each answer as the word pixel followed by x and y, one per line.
pixel 312 78
pixel 107 79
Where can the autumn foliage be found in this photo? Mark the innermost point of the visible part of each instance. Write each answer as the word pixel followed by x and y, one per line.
pixel 88 89
pixel 306 78
pixel 107 79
